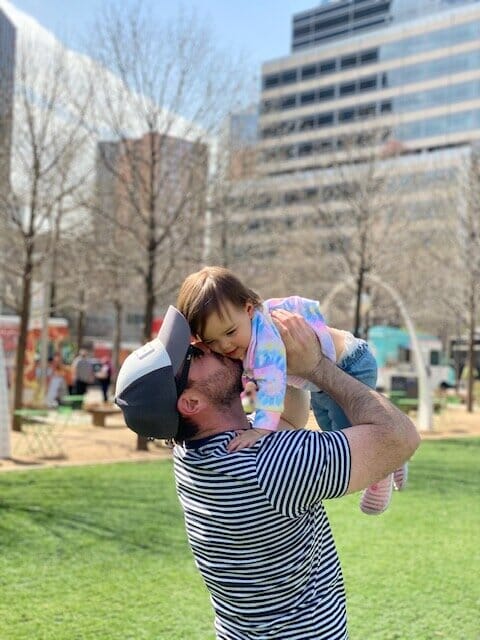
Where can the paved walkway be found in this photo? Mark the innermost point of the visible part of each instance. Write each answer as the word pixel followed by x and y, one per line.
pixel 83 443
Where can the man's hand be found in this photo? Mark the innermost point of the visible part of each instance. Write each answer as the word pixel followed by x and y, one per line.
pixel 301 343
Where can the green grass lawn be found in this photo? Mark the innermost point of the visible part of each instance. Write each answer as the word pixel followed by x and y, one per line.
pixel 100 553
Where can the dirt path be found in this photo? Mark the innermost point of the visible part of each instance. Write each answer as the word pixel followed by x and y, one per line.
pixel 82 443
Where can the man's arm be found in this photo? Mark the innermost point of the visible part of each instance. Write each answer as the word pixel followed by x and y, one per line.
pixel 382 437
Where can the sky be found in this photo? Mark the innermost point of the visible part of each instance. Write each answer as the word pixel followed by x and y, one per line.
pixel 260 29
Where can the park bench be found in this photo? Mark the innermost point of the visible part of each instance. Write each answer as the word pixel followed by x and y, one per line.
pixel 100 413
pixel 73 401
pixel 411 404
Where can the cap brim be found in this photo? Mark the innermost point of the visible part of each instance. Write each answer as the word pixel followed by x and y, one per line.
pixel 175 336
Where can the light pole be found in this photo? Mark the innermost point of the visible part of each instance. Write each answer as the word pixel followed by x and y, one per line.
pixel 425 400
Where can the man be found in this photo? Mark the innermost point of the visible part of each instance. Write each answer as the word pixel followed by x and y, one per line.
pixel 255 518
pixel 82 373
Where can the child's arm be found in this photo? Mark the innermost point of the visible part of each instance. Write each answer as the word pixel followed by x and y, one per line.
pixel 266 364
pixel 265 422
pixel 295 415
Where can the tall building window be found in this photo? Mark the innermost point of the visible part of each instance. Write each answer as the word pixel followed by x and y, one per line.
pixel 328 66
pixel 327 93
pixel 309 72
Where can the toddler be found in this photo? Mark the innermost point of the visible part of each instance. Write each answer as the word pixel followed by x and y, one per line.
pixel 232 320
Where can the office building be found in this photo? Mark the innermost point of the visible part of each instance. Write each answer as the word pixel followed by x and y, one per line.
pixel 166 172
pixel 7 71
pixel 404 76
pixel 241 137
pixel 386 88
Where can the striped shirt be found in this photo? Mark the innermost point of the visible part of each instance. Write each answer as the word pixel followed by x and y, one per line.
pixel 260 535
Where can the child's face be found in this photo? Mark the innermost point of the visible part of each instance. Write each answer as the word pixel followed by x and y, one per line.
pixel 230 335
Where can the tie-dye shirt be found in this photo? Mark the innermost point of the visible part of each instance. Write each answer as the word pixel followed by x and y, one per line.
pixel 266 362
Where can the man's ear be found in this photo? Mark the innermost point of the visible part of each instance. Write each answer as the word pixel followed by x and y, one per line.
pixel 189 403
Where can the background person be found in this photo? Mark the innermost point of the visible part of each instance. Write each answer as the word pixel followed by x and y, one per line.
pixel 57 385
pixel 82 373
pixel 255 518
pixel 104 377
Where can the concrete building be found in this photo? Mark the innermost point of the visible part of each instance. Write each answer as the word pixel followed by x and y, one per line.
pixel 172 172
pixel 395 84
pixel 241 138
pixel 7 73
pixel 411 78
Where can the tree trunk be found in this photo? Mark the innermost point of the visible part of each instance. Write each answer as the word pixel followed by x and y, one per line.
pixel 358 302
pixel 142 443
pixel 471 350
pixel 117 340
pixel 53 300
pixel 362 269
pixel 80 328
pixel 22 338
pixel 149 294
pixel 224 241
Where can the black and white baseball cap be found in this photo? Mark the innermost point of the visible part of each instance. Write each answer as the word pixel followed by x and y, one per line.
pixel 146 389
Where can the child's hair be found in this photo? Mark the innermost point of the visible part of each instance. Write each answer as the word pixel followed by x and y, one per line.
pixel 207 291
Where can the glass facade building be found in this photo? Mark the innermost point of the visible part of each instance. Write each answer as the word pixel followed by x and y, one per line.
pixel 392 104
pixel 371 70
pixel 7 70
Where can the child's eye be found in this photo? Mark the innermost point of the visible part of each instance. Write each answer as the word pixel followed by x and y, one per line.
pixel 231 332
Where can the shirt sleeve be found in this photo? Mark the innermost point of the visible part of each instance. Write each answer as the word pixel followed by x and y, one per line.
pixel 297 469
pixel 267 365
pixel 310 311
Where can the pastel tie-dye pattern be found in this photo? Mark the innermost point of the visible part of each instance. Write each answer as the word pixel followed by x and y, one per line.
pixel 266 361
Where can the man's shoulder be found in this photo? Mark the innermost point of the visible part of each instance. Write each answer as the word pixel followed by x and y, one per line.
pixel 290 444
pixel 297 469
pixel 291 439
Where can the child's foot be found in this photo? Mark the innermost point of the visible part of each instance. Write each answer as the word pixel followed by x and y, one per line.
pixel 400 477
pixel 377 497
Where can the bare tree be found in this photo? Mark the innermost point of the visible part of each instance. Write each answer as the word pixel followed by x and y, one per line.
pixel 49 137
pixel 359 218
pixel 78 285
pixel 178 88
pixel 163 91
pixel 459 260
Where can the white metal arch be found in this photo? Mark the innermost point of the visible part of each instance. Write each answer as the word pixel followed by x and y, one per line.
pixel 425 401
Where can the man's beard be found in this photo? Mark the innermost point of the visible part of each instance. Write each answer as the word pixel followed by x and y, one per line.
pixel 223 386
pixel 221 389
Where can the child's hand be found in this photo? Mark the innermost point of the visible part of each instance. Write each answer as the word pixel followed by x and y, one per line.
pixel 246 439
pixel 248 396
